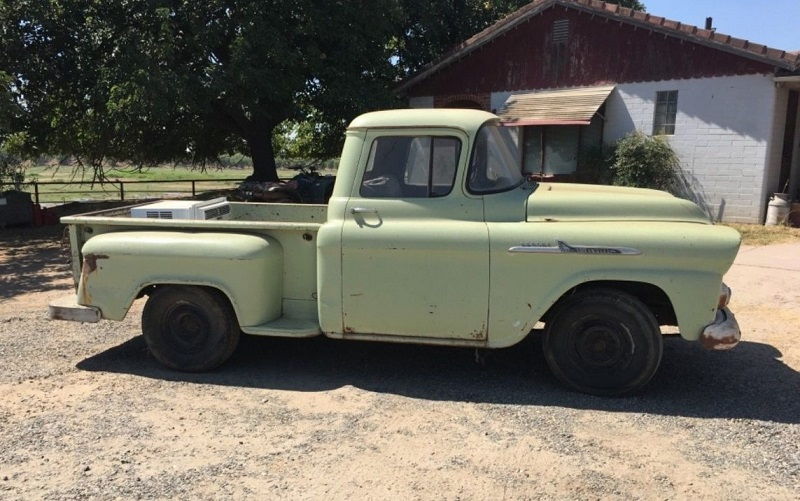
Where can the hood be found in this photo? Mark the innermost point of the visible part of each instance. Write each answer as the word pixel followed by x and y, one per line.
pixel 584 202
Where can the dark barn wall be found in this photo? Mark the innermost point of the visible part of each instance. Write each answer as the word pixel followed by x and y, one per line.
pixel 598 51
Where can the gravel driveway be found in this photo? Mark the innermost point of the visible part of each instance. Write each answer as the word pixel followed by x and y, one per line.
pixel 86 412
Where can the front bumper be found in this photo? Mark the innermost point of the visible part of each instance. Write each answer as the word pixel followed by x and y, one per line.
pixel 67 308
pixel 723 333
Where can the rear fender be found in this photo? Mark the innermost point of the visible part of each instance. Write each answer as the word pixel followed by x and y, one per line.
pixel 248 269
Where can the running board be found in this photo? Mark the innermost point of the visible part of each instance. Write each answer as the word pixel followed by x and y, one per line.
pixel 285 327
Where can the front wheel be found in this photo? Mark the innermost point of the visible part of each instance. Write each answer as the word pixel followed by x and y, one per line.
pixel 189 328
pixel 603 342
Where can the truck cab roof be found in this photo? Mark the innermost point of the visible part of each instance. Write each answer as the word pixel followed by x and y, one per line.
pixel 468 120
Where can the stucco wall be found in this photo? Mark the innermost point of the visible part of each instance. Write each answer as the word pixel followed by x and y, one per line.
pixel 725 127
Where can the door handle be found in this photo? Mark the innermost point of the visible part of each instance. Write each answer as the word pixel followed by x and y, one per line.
pixel 363 210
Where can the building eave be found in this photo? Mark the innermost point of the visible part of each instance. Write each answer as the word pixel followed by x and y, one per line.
pixel 781 61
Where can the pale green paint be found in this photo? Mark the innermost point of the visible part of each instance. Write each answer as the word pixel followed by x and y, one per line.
pixel 581 202
pixel 247 268
pixel 467 120
pixel 424 270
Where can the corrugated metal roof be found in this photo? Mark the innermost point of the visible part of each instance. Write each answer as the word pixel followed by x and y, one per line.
pixel 555 107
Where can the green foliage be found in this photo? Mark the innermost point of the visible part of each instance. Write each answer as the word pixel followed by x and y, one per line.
pixel 631 4
pixel 594 166
pixel 646 162
pixel 152 81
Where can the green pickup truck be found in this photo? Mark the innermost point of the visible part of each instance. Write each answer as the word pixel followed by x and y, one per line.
pixel 432 236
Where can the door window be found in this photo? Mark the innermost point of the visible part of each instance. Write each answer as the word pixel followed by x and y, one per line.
pixel 411 167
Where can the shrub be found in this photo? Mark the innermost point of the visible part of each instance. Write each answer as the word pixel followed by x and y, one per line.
pixel 594 166
pixel 645 161
pixel 12 169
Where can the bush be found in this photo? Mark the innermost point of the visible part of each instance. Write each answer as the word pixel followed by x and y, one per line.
pixel 12 170
pixel 594 166
pixel 645 161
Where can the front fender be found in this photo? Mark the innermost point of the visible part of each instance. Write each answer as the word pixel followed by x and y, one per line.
pixel 694 295
pixel 248 269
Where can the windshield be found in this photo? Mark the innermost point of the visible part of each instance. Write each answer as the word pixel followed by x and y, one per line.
pixel 496 163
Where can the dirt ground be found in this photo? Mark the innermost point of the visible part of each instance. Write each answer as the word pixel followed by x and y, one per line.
pixel 86 412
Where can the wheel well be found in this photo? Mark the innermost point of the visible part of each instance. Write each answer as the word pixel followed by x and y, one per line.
pixel 652 296
pixel 149 289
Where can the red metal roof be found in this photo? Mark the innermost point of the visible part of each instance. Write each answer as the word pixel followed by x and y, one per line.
pixel 782 59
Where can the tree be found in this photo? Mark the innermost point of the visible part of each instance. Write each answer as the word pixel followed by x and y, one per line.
pixel 150 81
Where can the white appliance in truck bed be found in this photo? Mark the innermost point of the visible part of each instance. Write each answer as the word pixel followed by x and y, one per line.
pixel 216 208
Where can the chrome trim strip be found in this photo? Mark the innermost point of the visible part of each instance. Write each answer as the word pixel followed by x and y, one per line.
pixel 564 248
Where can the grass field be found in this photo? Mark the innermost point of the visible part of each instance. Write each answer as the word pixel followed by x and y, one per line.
pixel 172 182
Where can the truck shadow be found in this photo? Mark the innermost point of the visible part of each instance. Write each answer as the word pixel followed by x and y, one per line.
pixel 749 382
pixel 32 260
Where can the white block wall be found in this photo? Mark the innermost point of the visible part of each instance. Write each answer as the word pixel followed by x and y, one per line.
pixel 727 132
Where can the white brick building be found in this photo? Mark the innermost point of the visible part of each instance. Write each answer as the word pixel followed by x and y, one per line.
pixel 580 73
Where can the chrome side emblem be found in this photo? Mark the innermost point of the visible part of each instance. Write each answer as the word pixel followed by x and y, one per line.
pixel 562 247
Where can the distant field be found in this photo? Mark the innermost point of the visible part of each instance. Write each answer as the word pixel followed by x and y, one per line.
pixel 208 180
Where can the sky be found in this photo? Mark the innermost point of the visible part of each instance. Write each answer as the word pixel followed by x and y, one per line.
pixel 775 23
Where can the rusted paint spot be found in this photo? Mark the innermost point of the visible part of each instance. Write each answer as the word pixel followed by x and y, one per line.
pixel 349 330
pixel 725 343
pixel 479 333
pixel 90 261
pixel 529 306
pixel 89 266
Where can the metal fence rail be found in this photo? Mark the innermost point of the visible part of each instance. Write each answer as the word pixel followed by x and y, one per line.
pixel 39 189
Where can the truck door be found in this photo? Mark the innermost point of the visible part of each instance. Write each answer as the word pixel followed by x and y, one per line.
pixel 415 248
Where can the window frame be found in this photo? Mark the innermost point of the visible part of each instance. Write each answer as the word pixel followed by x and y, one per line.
pixel 468 167
pixel 666 124
pixel 412 137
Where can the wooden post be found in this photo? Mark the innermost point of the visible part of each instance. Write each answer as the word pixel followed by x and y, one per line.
pixel 193 192
pixel 121 190
pixel 36 192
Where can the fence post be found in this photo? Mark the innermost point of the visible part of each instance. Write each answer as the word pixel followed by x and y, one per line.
pixel 193 192
pixel 121 190
pixel 36 192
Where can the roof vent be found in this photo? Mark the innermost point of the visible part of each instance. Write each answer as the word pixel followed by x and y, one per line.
pixel 561 31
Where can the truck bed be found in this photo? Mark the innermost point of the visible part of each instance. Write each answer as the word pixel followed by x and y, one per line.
pixel 293 225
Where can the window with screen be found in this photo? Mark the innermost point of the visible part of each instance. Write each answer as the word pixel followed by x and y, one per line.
pixel 666 111
pixel 411 167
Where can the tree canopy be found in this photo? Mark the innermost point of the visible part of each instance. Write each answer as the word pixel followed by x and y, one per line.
pixel 152 81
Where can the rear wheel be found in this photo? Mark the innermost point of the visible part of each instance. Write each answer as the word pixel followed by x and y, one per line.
pixel 603 342
pixel 189 328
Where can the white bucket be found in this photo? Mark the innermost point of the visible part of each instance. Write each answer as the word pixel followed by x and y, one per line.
pixel 777 209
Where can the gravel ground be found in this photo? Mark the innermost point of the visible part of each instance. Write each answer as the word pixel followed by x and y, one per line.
pixel 86 412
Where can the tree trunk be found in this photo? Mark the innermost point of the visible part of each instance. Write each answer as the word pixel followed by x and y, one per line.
pixel 263 156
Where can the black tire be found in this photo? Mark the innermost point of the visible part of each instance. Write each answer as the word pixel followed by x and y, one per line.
pixel 189 328
pixel 603 342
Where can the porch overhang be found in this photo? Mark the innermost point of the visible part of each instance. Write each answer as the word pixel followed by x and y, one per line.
pixel 554 107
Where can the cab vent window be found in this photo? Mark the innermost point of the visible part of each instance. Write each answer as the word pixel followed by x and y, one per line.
pixel 411 167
